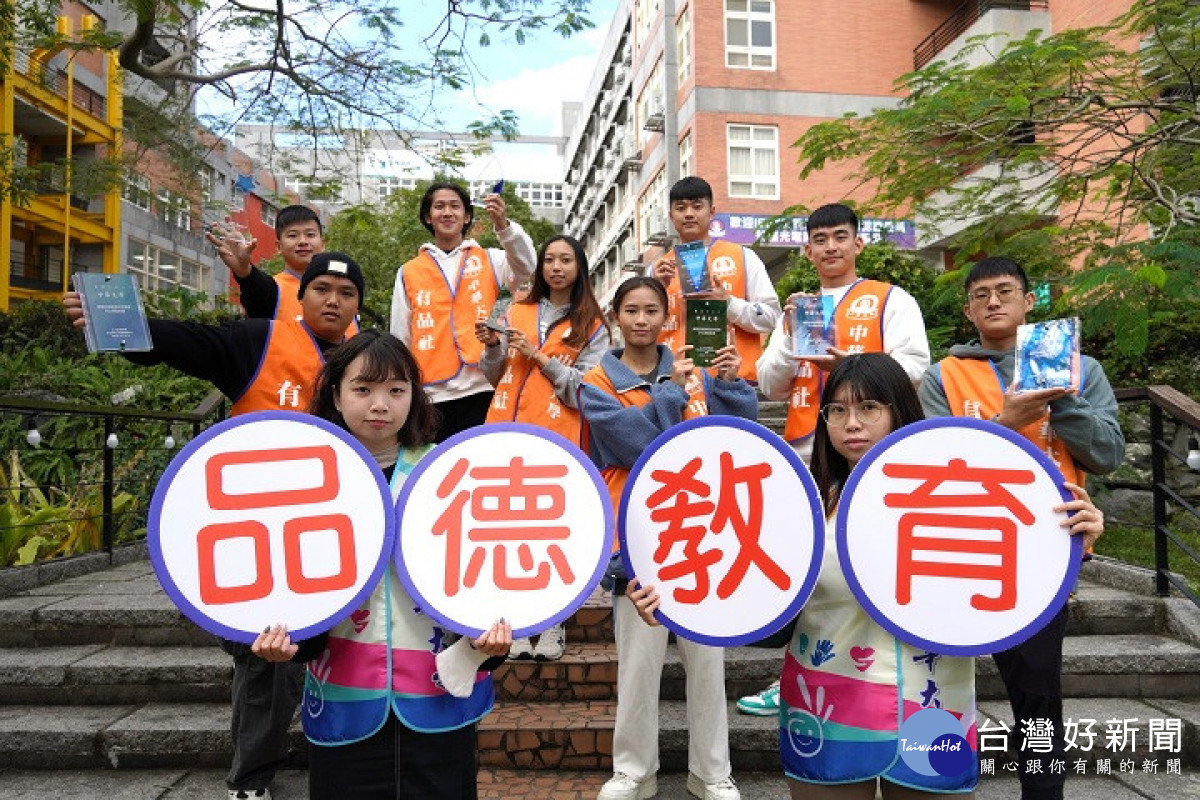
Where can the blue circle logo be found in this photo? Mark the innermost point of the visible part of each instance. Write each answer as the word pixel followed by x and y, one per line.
pixel 932 743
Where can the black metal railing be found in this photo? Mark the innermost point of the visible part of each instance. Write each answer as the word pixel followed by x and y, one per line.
pixel 55 80
pixel 73 471
pixel 963 18
pixel 1168 405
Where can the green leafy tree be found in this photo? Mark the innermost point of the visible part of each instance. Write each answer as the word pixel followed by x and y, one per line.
pixel 382 237
pixel 1076 151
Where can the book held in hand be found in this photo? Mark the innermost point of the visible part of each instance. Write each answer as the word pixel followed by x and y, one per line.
pixel 112 308
pixel 691 260
pixel 706 328
pixel 810 336
pixel 1047 355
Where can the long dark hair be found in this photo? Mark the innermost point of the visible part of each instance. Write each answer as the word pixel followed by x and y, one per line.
pixel 639 282
pixel 386 358
pixel 585 308
pixel 869 376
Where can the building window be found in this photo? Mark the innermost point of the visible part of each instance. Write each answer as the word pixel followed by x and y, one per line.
pixel 685 156
pixel 175 209
pixel 137 190
pixel 652 211
pixel 156 270
pixel 750 34
pixel 753 161
pixel 388 185
pixel 683 45
pixel 267 214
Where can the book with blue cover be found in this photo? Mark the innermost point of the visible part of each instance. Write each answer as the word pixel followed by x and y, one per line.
pixel 1047 355
pixel 113 311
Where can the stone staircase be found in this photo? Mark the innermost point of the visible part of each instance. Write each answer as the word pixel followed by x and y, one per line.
pixel 101 675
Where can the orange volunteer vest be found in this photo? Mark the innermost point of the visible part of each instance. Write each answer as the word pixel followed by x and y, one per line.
pixel 523 393
pixel 974 389
pixel 288 306
pixel 442 325
pixel 727 266
pixel 858 327
pixel 287 371
pixel 615 477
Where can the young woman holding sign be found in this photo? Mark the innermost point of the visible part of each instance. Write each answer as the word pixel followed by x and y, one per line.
pixel 551 337
pixel 634 394
pixel 848 685
pixel 379 725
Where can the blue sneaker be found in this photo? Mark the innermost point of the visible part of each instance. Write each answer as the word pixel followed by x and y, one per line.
pixel 763 704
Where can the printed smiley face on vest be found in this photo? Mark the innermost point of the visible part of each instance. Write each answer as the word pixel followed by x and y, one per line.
pixel 864 307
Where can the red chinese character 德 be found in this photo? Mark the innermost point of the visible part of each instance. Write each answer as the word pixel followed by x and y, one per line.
pixel 511 497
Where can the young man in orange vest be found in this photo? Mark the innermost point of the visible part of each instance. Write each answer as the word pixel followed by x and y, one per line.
pixel 865 316
pixel 298 237
pixel 260 365
pixel 1078 430
pixel 737 273
pixel 442 292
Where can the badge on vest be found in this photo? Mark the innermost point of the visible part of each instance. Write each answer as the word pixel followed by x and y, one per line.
pixel 865 307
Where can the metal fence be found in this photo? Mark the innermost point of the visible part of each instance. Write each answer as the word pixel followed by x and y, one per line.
pixel 76 478
pixel 963 18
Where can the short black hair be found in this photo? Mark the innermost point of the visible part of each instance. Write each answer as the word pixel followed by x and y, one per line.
pixel 639 282
pixel 830 216
pixel 690 188
pixel 294 215
pixel 427 204
pixel 996 267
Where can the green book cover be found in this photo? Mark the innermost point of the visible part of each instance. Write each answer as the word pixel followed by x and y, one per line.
pixel 706 328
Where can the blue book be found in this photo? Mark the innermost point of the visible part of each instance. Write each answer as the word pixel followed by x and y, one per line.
pixel 1047 355
pixel 114 314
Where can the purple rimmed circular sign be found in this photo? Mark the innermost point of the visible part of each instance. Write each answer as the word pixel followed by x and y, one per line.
pixel 946 536
pixel 505 520
pixel 269 518
pixel 723 518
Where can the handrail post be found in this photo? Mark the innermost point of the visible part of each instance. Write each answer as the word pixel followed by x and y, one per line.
pixel 107 495
pixel 1158 473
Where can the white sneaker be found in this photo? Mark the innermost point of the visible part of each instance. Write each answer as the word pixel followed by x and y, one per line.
pixel 249 794
pixel 521 649
pixel 551 644
pixel 721 790
pixel 622 787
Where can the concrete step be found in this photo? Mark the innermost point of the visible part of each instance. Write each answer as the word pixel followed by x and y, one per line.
pixel 1132 665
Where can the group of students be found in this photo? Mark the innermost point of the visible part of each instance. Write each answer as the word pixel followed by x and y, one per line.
pixel 391 715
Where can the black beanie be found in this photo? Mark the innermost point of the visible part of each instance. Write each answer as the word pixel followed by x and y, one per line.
pixel 337 264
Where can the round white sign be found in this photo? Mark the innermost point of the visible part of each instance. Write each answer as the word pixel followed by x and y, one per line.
pixel 723 518
pixel 503 520
pixel 268 518
pixel 946 536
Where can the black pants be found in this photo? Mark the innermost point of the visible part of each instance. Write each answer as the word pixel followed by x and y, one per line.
pixel 1032 673
pixel 265 696
pixel 462 414
pixel 397 763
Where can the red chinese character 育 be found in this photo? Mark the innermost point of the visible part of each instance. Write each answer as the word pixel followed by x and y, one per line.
pixel 688 520
pixel 506 503
pixel 994 495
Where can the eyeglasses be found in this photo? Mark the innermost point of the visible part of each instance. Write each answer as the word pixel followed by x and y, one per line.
pixel 1003 293
pixel 866 412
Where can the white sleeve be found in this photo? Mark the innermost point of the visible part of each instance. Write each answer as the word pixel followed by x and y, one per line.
pixel 759 310
pixel 515 263
pixel 904 334
pixel 776 367
pixel 401 313
pixel 457 666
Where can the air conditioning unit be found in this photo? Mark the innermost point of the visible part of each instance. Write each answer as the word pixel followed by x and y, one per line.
pixel 656 122
pixel 660 230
